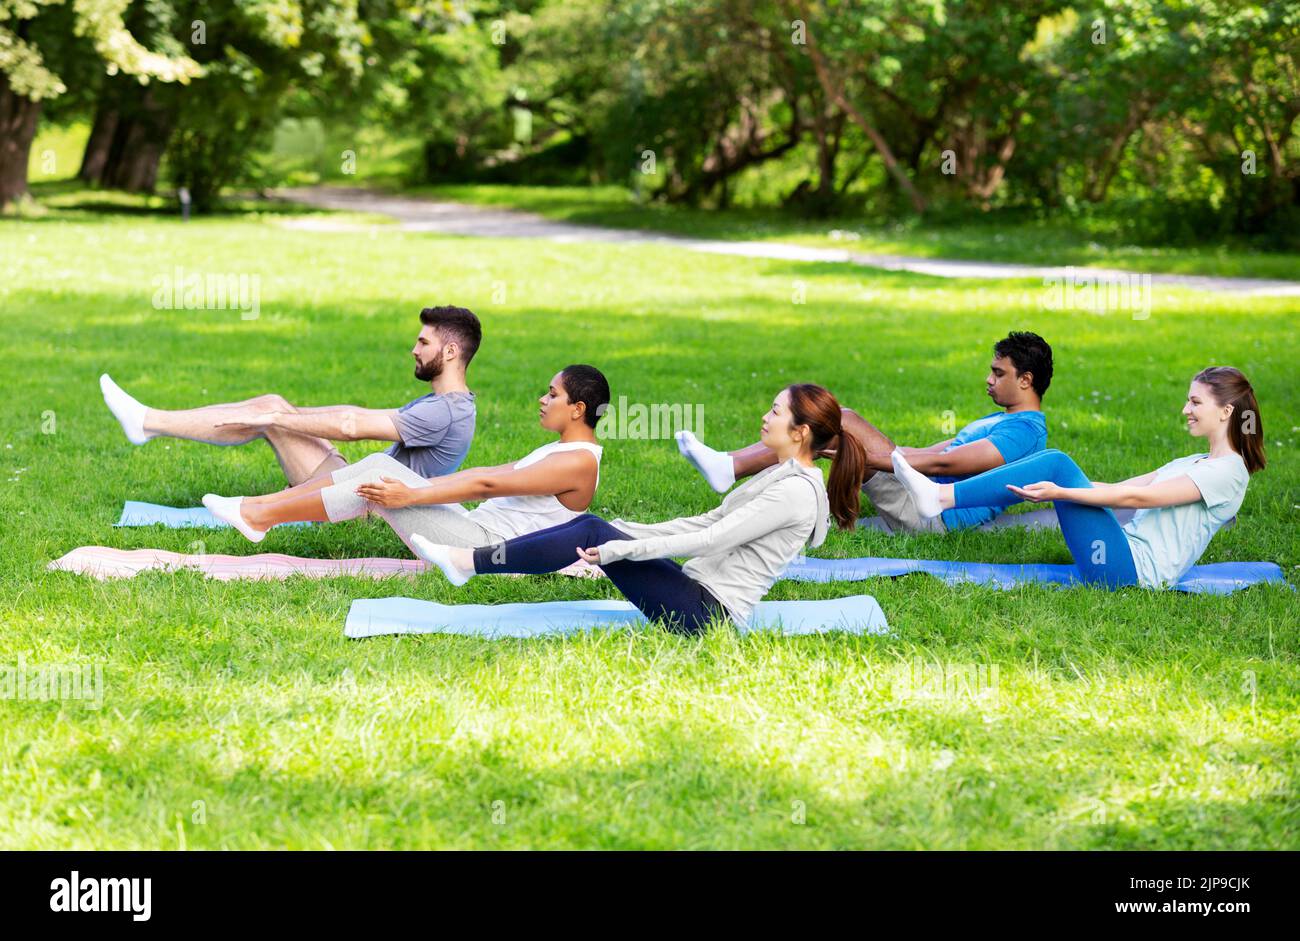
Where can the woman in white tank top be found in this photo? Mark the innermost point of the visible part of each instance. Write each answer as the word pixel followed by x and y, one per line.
pixel 553 484
pixel 510 516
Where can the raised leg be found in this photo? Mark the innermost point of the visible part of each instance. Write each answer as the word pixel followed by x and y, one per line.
pixel 329 497
pixel 301 457
pixel 1095 538
pixel 658 587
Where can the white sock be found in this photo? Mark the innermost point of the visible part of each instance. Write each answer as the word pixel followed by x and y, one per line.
pixel 440 556
pixel 924 491
pixel 227 508
pixel 125 409
pixel 716 466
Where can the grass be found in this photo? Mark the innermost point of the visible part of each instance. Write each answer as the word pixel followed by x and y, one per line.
pixel 995 238
pixel 236 715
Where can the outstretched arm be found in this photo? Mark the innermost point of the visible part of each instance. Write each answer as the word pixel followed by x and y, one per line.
pixel 1173 492
pixel 334 422
pixel 783 505
pixel 558 474
pixel 968 459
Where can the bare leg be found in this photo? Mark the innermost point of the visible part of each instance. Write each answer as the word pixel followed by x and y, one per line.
pixel 302 457
pixel 292 509
pixel 312 485
pixel 754 458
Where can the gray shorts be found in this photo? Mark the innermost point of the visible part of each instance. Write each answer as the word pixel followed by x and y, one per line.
pixel 444 524
pixel 894 505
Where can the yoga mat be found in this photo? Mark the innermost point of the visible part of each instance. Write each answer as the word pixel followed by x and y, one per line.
pixel 369 617
pixel 102 562
pixel 135 513
pixel 1217 578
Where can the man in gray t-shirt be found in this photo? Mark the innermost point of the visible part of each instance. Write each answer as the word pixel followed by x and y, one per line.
pixel 436 431
pixel 432 434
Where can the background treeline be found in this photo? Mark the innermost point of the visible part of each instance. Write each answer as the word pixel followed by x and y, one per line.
pixel 1180 116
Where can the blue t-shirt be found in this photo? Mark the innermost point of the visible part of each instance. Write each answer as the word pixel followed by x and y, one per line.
pixel 1015 435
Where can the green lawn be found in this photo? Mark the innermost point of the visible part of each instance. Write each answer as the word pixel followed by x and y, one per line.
pixel 997 238
pixel 236 715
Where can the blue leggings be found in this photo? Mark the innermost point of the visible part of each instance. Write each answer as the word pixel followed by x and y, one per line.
pixel 1095 538
pixel 658 587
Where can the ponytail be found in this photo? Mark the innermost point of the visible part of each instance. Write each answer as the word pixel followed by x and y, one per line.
pixel 1245 427
pixel 815 407
pixel 848 467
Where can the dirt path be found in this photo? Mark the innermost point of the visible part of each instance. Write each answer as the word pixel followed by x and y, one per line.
pixel 416 214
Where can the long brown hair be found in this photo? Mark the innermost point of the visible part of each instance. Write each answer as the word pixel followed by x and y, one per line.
pixel 815 407
pixel 1245 427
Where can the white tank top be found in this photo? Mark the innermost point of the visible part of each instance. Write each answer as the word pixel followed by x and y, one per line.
pixel 508 517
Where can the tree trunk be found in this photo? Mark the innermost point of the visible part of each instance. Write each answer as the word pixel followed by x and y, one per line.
pixel 140 130
pixel 95 159
pixel 18 118
pixel 1095 191
pixel 136 154
pixel 836 94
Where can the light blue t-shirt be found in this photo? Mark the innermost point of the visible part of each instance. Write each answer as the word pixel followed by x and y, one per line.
pixel 1015 435
pixel 1166 541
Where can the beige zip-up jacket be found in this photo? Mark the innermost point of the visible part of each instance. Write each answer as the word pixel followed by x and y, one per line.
pixel 738 550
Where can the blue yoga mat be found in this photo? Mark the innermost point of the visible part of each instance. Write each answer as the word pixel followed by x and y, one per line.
pixel 1217 578
pixel 135 513
pixel 369 617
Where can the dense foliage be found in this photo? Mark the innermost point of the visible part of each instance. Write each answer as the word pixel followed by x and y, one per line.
pixel 1186 109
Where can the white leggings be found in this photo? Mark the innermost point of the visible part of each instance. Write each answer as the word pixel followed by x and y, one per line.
pixel 444 524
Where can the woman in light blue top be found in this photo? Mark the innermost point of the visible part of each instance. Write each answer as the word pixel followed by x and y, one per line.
pixel 1180 506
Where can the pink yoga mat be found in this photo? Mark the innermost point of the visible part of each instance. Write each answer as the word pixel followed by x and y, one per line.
pixel 103 562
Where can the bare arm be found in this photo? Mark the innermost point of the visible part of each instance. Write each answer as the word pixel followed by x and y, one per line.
pixel 333 422
pixel 932 449
pixel 1173 492
pixel 881 461
pixel 973 458
pixel 1143 481
pixel 556 475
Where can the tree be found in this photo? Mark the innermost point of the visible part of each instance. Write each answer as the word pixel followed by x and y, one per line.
pixel 37 39
pixel 840 41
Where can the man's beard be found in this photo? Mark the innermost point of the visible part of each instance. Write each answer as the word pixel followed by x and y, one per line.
pixel 427 372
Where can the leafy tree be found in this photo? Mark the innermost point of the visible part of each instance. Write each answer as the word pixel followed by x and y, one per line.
pixel 39 39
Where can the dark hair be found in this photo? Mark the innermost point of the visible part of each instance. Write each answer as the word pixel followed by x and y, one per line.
pixel 1030 353
pixel 458 324
pixel 815 407
pixel 586 384
pixel 1230 386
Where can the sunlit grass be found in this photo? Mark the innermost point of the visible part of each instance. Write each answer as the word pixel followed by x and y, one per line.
pixel 237 714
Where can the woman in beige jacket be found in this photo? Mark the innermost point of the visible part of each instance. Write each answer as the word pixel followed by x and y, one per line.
pixel 736 552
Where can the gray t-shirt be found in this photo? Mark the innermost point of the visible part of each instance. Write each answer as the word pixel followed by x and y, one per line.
pixel 1166 541
pixel 436 432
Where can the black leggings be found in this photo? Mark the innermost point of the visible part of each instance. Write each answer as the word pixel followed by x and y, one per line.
pixel 658 587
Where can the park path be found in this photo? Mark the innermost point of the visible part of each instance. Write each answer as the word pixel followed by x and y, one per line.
pixel 418 214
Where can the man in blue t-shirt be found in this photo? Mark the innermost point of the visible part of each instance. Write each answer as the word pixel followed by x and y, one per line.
pixel 1018 376
pixel 431 434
